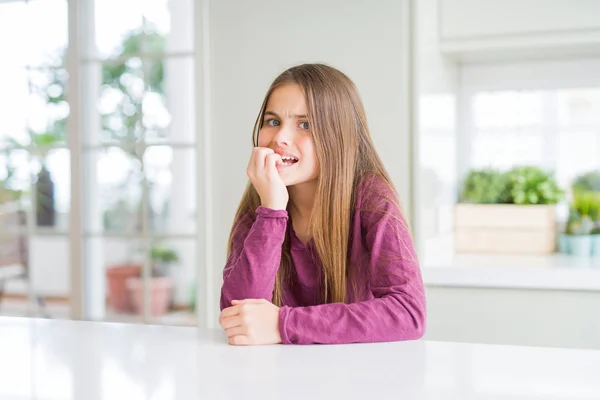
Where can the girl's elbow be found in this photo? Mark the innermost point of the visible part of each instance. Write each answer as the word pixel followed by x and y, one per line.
pixel 419 328
pixel 420 319
pixel 414 324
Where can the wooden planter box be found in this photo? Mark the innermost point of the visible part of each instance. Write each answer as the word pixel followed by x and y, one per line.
pixel 504 228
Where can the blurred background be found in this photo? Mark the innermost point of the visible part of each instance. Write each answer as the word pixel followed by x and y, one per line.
pixel 125 129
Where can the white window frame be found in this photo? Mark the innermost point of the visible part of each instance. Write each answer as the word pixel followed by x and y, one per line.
pixel 82 280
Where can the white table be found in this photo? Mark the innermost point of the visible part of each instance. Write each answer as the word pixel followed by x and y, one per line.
pixel 51 359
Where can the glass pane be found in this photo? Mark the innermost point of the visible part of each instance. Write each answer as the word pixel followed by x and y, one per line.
pixel 50 272
pixel 173 285
pixel 578 153
pixel 117 88
pixel 15 97
pixel 579 106
pixel 136 26
pixel 47 32
pixel 171 175
pixel 41 30
pixel 118 27
pixel 507 148
pixel 172 22
pixel 15 177
pixel 117 261
pixel 45 259
pixel 507 109
pixel 156 116
pixel 113 182
pixel 52 184
pixel 169 105
pixel 48 107
pixel 37 104
pixel 13 23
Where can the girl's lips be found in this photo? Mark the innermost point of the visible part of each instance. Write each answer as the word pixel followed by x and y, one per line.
pixel 284 153
pixel 283 166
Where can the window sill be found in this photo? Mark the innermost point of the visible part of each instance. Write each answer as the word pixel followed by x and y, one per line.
pixel 544 272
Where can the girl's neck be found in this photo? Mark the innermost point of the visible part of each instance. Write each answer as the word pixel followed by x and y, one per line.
pixel 302 199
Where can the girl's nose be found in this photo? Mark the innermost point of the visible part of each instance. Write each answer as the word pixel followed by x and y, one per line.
pixel 283 136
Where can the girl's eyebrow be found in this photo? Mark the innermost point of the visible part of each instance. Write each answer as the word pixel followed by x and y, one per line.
pixel 297 116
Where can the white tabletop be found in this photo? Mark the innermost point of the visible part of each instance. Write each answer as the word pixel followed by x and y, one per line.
pixel 51 359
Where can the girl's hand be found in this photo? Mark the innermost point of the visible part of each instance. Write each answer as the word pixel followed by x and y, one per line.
pixel 251 322
pixel 262 171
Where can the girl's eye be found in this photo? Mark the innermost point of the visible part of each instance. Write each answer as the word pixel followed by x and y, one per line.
pixel 304 125
pixel 272 122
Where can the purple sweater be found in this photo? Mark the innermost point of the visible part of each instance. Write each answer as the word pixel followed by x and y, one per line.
pixel 389 304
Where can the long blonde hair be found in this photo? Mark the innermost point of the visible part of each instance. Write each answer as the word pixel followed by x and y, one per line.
pixel 345 153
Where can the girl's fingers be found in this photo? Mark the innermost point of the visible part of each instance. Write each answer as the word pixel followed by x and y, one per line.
pixel 239 340
pixel 230 311
pixel 236 330
pixel 259 154
pixel 231 322
pixel 271 161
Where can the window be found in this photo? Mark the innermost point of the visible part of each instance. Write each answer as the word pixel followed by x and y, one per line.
pixel 138 153
pixel 544 114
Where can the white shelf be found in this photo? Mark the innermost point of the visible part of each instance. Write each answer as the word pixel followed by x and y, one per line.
pixel 554 272
pixel 441 266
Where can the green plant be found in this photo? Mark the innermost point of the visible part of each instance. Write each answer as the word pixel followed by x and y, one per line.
pixel 587 204
pixel 588 182
pixel 531 185
pixel 584 215
pixel 483 186
pixel 162 257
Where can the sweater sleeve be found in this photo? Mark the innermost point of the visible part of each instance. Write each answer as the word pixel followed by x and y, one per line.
pixel 255 255
pixel 397 310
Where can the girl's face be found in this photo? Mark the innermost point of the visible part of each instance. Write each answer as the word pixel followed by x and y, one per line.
pixel 286 130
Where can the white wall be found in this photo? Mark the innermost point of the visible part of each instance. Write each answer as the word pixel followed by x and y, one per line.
pixel 481 18
pixel 253 41
pixel 522 317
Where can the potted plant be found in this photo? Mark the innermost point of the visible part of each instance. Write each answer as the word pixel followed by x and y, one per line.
pixel 117 276
pixel 595 217
pixel 583 228
pixel 161 284
pixel 590 182
pixel 578 235
pixel 507 212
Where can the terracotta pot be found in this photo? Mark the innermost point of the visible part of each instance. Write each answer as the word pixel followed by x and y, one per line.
pixel 160 294
pixel 117 276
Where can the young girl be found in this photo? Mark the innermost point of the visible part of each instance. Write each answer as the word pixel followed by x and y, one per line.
pixel 319 251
